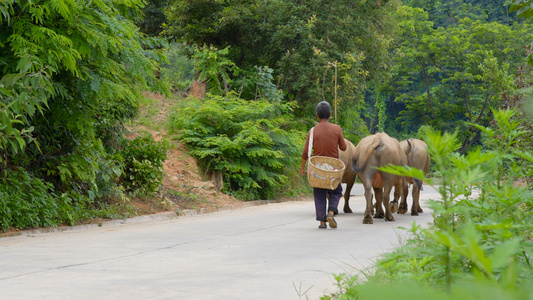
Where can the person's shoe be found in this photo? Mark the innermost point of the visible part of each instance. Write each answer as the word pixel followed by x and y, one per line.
pixel 322 226
pixel 331 221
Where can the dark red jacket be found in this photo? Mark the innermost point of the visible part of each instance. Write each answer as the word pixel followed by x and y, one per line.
pixel 327 139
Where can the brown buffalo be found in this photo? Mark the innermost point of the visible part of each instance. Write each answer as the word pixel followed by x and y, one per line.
pixel 373 152
pixel 417 157
pixel 349 174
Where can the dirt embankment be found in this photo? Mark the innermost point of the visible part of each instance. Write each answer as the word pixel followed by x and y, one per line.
pixel 184 186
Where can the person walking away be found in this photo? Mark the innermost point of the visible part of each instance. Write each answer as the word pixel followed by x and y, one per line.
pixel 327 140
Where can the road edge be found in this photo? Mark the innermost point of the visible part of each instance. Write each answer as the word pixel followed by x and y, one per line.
pixel 149 217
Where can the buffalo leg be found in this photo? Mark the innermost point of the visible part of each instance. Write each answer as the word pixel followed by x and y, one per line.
pixel 369 208
pixel 397 194
pixel 415 209
pixel 379 203
pixel 420 210
pixel 386 196
pixel 403 203
pixel 349 187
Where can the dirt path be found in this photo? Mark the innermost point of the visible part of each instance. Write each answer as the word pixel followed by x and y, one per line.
pixel 184 186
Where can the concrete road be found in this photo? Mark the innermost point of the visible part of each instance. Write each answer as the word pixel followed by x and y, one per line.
pixel 272 251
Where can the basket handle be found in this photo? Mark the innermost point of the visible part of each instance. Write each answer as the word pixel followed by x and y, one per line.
pixel 331 182
pixel 310 146
pixel 310 149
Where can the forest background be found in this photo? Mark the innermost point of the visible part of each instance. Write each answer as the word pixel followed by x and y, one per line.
pixel 457 74
pixel 74 73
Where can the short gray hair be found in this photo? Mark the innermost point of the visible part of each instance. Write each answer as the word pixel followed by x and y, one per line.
pixel 323 110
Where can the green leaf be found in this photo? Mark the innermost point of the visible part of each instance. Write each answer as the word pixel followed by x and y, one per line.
pixel 504 254
pixel 404 171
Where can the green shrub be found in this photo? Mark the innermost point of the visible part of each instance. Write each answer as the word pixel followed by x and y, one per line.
pixel 251 142
pixel 29 202
pixel 214 68
pixel 143 164
pixel 87 170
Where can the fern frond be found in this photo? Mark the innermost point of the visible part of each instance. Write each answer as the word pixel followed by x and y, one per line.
pixel 244 140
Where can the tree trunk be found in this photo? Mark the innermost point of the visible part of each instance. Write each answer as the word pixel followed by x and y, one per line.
pixel 465 98
pixel 474 136
pixel 487 98
pixel 428 90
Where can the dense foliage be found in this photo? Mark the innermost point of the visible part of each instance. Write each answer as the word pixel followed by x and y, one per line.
pixel 153 18
pixel 305 43
pixel 524 8
pixel 450 12
pixel 399 67
pixel 250 142
pixel 44 209
pixel 72 74
pixel 447 76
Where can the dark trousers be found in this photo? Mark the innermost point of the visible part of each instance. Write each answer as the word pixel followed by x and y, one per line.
pixel 321 196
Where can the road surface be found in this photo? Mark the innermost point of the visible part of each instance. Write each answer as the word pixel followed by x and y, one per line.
pixel 272 251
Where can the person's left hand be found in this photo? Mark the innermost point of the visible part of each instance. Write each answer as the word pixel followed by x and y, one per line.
pixel 302 171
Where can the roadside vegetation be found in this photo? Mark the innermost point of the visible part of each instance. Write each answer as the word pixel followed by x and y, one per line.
pixel 80 136
pixel 72 75
pixel 481 241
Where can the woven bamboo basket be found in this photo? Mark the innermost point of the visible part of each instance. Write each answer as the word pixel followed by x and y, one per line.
pixel 323 179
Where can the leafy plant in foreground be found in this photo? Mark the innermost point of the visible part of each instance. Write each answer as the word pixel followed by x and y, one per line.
pixel 480 242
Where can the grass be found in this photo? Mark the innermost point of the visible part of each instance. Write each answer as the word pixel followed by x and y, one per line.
pixel 152 114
